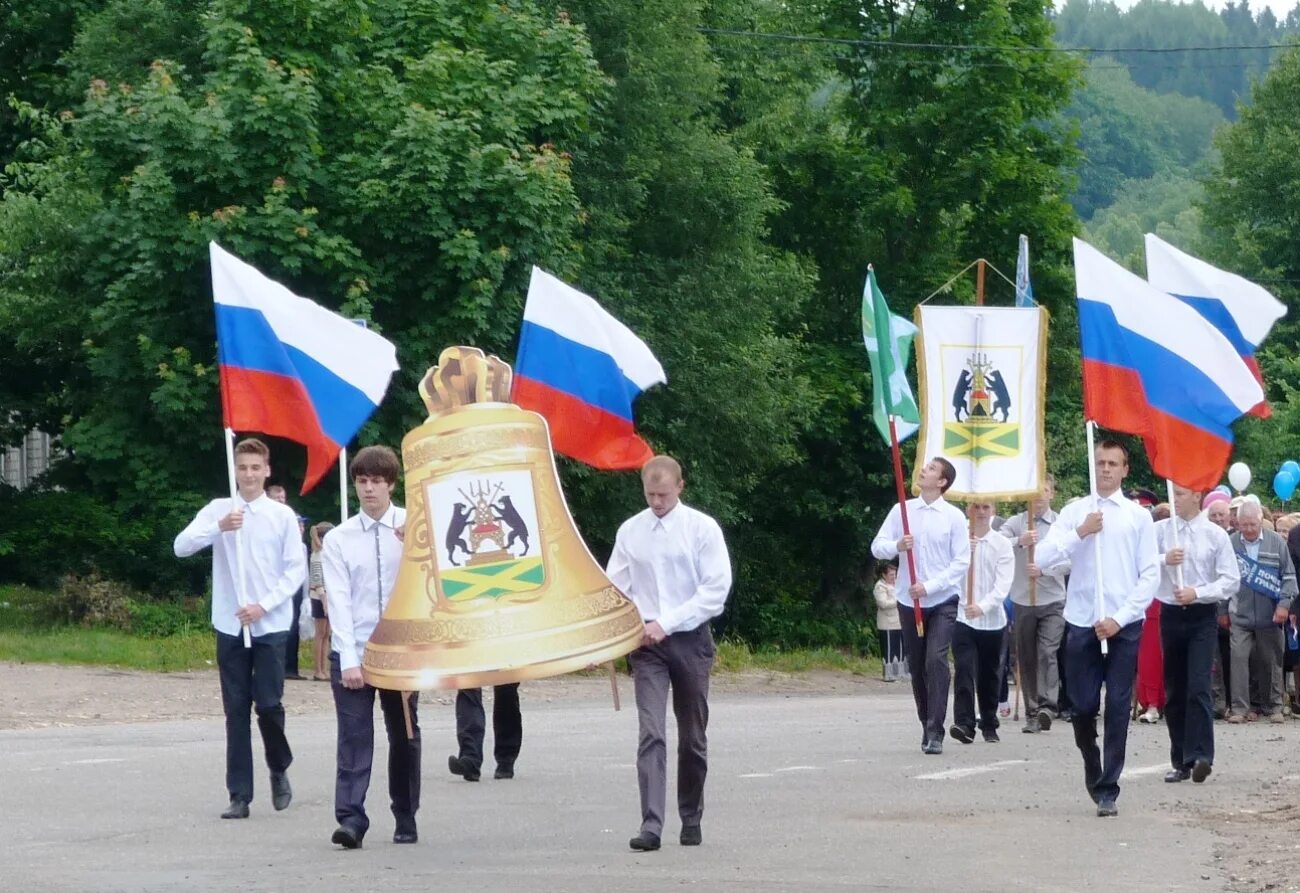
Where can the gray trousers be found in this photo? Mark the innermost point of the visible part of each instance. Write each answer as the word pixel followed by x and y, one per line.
pixel 682 661
pixel 1038 631
pixel 1266 647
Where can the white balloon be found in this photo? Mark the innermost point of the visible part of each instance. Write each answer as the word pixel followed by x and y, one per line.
pixel 1239 476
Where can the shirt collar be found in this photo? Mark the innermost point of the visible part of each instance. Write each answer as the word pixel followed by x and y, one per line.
pixel 938 503
pixel 669 521
pixel 257 504
pixel 386 519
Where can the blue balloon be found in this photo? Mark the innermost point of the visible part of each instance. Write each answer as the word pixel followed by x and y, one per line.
pixel 1284 485
pixel 1224 488
pixel 1292 467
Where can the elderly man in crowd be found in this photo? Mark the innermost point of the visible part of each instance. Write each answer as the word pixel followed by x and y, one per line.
pixel 1268 585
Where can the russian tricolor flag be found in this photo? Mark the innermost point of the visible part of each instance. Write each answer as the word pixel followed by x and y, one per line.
pixel 1153 366
pixel 290 368
pixel 1238 308
pixel 581 369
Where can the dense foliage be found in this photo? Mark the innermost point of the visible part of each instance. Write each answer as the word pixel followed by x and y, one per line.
pixel 409 160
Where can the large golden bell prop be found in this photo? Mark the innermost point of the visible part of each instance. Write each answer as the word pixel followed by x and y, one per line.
pixel 496 584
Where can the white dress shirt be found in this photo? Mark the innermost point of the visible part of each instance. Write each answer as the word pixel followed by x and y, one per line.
pixel 1050 588
pixel 1209 563
pixel 995 568
pixel 675 569
pixel 940 543
pixel 1130 569
pixel 360 559
pixel 274 563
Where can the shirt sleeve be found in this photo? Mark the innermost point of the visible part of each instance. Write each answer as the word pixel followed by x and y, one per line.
pixel 619 567
pixel 293 566
pixel 338 591
pixel 953 577
pixel 1012 530
pixel 1144 589
pixel 1060 543
pixel 1227 573
pixel 713 565
pixel 1004 571
pixel 200 533
pixel 885 545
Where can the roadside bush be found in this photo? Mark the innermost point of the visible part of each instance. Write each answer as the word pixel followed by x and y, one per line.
pixel 92 601
pixel 159 619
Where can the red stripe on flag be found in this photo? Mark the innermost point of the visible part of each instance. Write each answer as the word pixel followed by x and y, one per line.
pixel 279 406
pixel 582 431
pixel 1187 455
pixel 1260 410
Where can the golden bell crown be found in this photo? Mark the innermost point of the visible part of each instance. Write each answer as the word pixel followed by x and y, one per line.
pixel 496 584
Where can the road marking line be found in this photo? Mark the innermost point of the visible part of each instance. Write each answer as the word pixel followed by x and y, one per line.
pixel 969 770
pixel 798 769
pixel 1147 770
pixel 95 762
pixel 757 775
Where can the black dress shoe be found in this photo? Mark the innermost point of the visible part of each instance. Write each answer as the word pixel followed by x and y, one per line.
pixel 991 736
pixel 644 842
pixel 405 837
pixel 933 746
pixel 1106 807
pixel 965 736
pixel 691 835
pixel 504 772
pixel 1044 720
pixel 238 809
pixel 281 793
pixel 460 767
pixel 348 838
pixel 1176 775
pixel 1201 770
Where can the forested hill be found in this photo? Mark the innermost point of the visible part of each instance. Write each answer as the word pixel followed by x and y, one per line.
pixel 1165 77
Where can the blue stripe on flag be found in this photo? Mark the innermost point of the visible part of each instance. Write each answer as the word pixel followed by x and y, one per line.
pixel 245 339
pixel 588 374
pixel 1218 316
pixel 1173 384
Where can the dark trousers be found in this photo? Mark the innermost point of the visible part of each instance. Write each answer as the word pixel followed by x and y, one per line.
pixel 977 654
pixel 682 661
pixel 291 645
pixel 354 709
pixel 1005 667
pixel 1063 703
pixel 1087 671
pixel 1189 637
pixel 507 725
pixel 252 677
pixel 928 658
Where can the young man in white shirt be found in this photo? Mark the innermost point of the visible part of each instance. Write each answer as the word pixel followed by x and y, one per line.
pixel 254 534
pixel 981 628
pixel 1129 575
pixel 940 543
pixel 1198 570
pixel 672 562
pixel 360 559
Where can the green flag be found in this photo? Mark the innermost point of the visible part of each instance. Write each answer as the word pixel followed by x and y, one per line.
pixel 892 394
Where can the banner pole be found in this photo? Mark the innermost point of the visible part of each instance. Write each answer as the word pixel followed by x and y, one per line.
pixel 1090 427
pixel 1173 530
pixel 239 534
pixel 917 615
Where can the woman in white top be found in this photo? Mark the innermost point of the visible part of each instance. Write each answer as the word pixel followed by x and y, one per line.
pixel 888 630
pixel 319 605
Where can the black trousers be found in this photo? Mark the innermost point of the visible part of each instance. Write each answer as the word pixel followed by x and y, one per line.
pixel 977 654
pixel 507 725
pixel 252 677
pixel 1189 636
pixel 1087 671
pixel 291 645
pixel 354 709
pixel 928 659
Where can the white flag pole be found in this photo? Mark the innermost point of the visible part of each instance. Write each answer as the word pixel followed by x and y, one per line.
pixel 1096 537
pixel 343 485
pixel 1173 529
pixel 239 534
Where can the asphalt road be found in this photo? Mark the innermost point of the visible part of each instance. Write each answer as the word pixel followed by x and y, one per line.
pixel 805 793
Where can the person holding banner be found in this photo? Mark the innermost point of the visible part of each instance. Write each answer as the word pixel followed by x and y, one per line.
pixel 981 627
pixel 1268 586
pixel 1129 573
pixel 260 537
pixel 1197 571
pixel 940 544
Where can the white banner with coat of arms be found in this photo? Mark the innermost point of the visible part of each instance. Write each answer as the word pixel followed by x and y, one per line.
pixel 983 375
